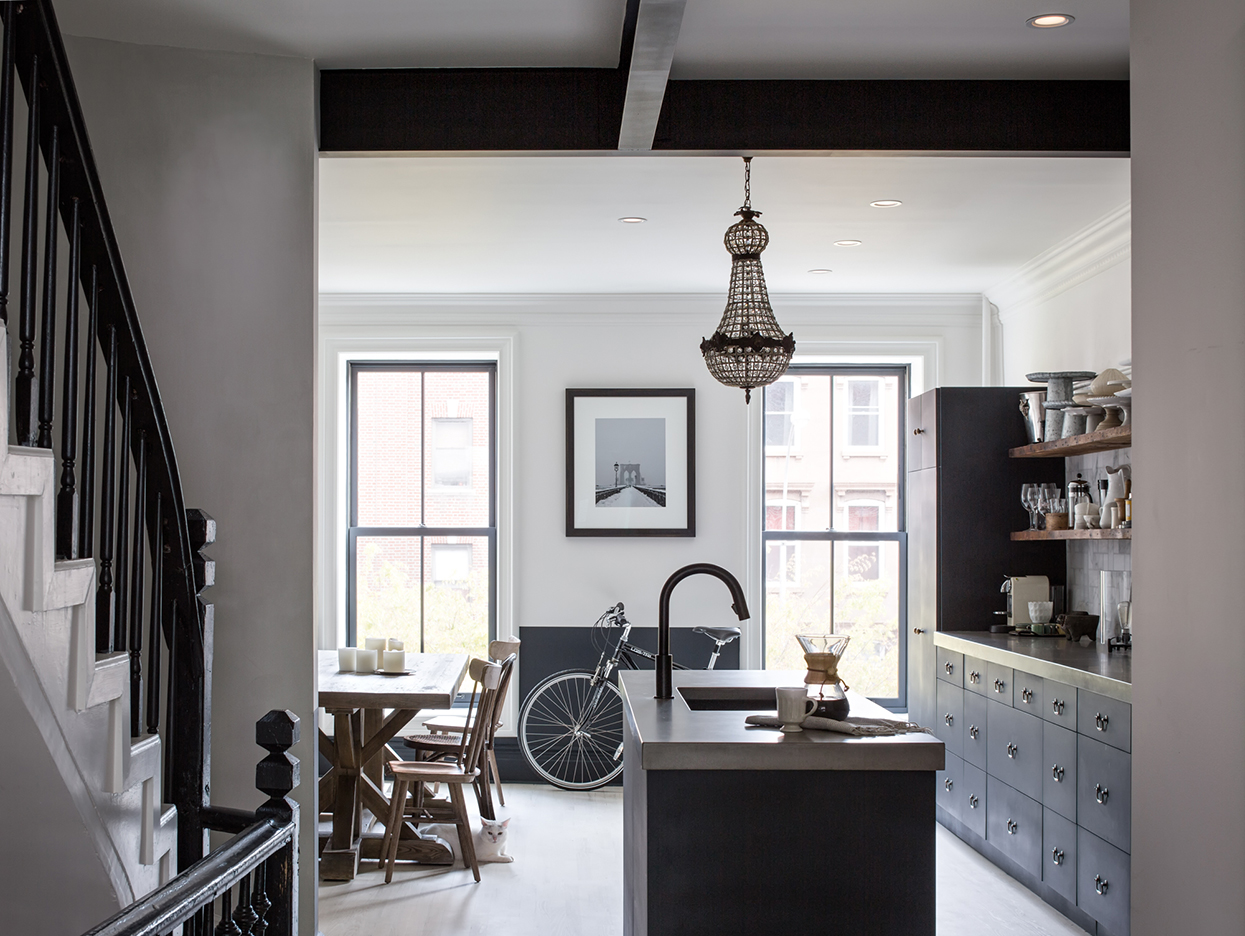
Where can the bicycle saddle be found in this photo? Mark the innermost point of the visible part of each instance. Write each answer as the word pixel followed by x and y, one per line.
pixel 724 634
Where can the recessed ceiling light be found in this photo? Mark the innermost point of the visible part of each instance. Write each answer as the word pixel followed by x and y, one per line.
pixel 886 203
pixel 819 272
pixel 633 220
pixel 1050 20
pixel 847 243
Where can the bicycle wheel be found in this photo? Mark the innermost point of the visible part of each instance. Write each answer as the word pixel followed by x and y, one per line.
pixel 570 731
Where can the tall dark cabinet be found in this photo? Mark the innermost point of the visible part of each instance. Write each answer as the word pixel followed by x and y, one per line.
pixel 963 495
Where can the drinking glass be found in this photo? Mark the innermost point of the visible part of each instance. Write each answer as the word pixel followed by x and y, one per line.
pixel 1026 494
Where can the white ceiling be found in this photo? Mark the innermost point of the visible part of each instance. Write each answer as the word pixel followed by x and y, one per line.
pixel 549 224
pixel 719 38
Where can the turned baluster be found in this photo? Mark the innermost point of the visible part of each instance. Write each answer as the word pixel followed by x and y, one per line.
pixel 121 578
pixel 86 523
pixel 105 597
pixel 67 497
pixel 47 342
pixel 226 926
pixel 136 591
pixel 6 159
pixel 23 391
pixel 153 633
pixel 260 901
pixel 244 915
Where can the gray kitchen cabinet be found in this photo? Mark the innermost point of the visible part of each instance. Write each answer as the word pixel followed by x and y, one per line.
pixel 1102 881
pixel 950 786
pixel 1060 705
pixel 1015 750
pixel 1059 854
pixel 999 683
pixel 975 675
pixel 950 666
pixel 949 725
pixel 973 806
pixel 1027 692
pixel 922 615
pixel 1106 720
pixel 1059 769
pixel 1104 797
pixel 976 729
pixel 1014 825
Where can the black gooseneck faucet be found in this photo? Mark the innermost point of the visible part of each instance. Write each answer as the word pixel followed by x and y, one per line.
pixel 665 662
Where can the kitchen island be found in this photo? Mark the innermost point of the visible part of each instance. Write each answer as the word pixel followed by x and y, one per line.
pixel 742 830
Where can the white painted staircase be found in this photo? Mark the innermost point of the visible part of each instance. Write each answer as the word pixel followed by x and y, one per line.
pixel 83 825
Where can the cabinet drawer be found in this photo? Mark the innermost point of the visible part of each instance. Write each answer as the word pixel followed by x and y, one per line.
pixel 949 726
pixel 1102 881
pixel 1014 754
pixel 1059 771
pixel 1027 693
pixel 1105 720
pixel 951 666
pixel 1059 854
pixel 975 672
pixel 1104 800
pixel 973 805
pixel 1059 706
pixel 1014 825
pixel 999 683
pixel 976 730
pixel 951 786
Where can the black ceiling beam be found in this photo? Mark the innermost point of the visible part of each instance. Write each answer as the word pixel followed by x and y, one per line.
pixel 551 109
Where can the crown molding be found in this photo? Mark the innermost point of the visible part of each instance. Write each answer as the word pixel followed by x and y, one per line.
pixel 1069 263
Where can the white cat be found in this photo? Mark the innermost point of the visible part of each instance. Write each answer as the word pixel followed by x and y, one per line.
pixel 490 841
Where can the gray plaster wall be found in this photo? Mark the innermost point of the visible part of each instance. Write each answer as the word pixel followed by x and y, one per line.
pixel 207 161
pixel 1188 138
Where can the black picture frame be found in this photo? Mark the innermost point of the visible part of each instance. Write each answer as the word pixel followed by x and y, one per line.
pixel 675 515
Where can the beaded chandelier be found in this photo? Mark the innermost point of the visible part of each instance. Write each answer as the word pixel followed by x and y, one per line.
pixel 748 349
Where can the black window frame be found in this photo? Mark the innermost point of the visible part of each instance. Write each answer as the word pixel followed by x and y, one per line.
pixel 832 535
pixel 421 531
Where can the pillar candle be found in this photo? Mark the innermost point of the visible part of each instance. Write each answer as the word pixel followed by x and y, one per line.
pixel 365 661
pixel 346 659
pixel 395 661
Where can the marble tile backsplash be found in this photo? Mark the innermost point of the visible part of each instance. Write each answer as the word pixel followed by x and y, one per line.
pixel 1086 558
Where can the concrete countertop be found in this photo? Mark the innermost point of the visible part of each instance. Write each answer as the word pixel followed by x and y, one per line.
pixel 1092 668
pixel 674 737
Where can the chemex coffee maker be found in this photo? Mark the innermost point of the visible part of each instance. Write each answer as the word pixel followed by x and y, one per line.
pixel 1020 590
pixel 822 653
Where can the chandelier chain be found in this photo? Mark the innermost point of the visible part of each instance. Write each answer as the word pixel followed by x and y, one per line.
pixel 747 181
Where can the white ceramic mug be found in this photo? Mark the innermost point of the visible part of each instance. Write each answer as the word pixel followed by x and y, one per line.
pixel 794 706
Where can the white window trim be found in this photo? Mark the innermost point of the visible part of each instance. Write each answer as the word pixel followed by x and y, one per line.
pixel 339 345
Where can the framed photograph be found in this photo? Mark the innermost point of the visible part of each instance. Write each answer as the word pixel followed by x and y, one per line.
pixel 631 462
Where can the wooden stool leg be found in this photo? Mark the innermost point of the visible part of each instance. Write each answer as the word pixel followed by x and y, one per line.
pixel 464 829
pixel 393 828
pixel 492 760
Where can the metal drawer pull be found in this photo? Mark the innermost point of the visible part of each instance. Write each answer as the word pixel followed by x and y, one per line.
pixel 974 677
pixel 1100 721
pixel 972 800
pixel 1012 827
pixel 1100 884
pixel 1012 750
pixel 918 630
pixel 1057 772
pixel 973 732
pixel 947 784
pixel 949 668
pixel 917 431
pixel 1026 696
pixel 1101 793
pixel 1056 706
pixel 999 685
pixel 948 719
pixel 1056 856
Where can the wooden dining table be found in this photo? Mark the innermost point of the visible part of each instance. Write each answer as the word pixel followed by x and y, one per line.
pixel 368 710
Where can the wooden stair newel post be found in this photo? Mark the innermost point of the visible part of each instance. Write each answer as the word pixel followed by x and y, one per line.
pixel 278 774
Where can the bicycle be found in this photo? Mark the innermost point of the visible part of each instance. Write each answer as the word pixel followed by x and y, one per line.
pixel 571 724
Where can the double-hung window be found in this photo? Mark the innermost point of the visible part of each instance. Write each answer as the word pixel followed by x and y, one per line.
pixel 835 548
pixel 421 553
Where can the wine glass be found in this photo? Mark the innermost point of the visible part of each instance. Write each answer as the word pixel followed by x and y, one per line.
pixel 1035 501
pixel 1026 499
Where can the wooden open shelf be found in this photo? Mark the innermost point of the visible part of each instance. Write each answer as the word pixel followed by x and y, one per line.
pixel 1101 441
pixel 1119 534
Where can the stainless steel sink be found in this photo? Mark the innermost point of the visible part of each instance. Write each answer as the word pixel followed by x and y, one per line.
pixel 729 698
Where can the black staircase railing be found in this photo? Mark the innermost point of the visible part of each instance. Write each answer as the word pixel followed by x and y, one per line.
pixel 251 882
pixel 119 498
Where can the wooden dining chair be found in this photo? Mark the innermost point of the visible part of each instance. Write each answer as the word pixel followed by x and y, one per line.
pixel 409 777
pixel 504 652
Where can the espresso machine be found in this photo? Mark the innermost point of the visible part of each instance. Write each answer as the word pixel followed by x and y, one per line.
pixel 1020 590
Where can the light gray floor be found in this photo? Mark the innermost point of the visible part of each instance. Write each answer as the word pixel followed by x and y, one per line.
pixel 566 880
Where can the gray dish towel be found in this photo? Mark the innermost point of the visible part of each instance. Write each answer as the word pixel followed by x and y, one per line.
pixel 860 727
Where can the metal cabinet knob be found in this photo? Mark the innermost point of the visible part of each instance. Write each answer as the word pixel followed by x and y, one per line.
pixel 999 685
pixel 918 630
pixel 1101 721
pixel 1056 706
pixel 1056 856
pixel 1057 772
pixel 1012 750
pixel 949 668
pixel 974 677
pixel 972 801
pixel 917 431
pixel 973 732
pixel 1101 793
pixel 947 784
pixel 948 719
pixel 1100 884
pixel 1012 827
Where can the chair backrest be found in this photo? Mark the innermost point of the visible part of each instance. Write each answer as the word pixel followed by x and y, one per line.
pixel 487 677
pixel 498 650
pixel 507 670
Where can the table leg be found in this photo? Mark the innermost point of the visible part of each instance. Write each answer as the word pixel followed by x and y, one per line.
pixel 340 859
